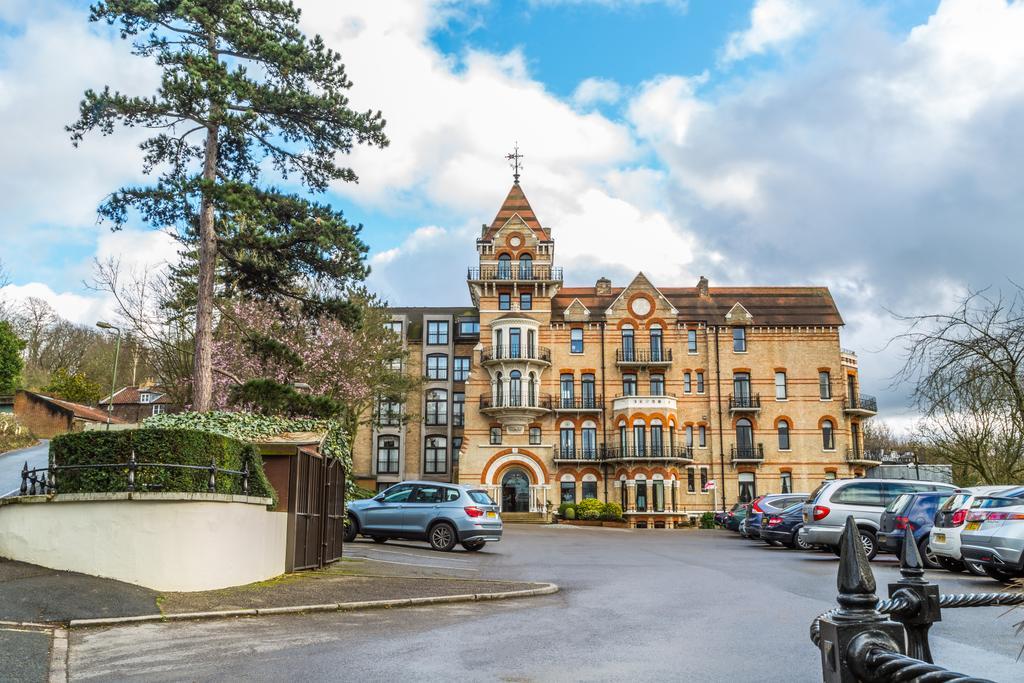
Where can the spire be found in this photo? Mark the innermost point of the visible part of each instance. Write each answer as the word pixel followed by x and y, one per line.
pixel 516 204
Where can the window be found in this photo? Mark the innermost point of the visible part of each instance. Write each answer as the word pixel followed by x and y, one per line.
pixel 741 388
pixel 687 382
pixel 780 386
pixel 691 341
pixel 437 332
pixel 387 455
pixel 657 385
pixel 458 409
pixel 515 349
pixel 567 440
pixel 435 455
pixel 568 492
pixel 830 475
pixel 589 395
pixel 395 326
pixel 525 267
pixel 689 436
pixel 389 413
pixel 398 494
pixel 504 301
pixel 437 366
pixel 639 440
pixel 629 384
pixel 658 492
pixel 824 385
pixel 787 482
pixel 700 382
pixel 744 438
pixel 145 398
pixel 702 435
pixel 158 408
pixel 460 370
pixel 566 382
pixel 531 390
pixel 498 385
pixel 627 343
pixel 860 493
pixel 589 489
pixel 641 495
pixel 655 343
pixel 589 434
pixel 748 487
pixel 657 439
pixel 828 439
pixel 691 481
pixel 704 479
pixel 469 328
pixel 456 447
pixel 495 436
pixel 525 301
pixel 535 435
pixel 576 340
pixel 739 339
pixel 504 267
pixel 783 437
pixel 515 388
pixel 437 407
pixel 622 440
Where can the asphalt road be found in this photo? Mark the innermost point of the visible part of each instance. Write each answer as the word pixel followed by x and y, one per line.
pixel 635 604
pixel 12 462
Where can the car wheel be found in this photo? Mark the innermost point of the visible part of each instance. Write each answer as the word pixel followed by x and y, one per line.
pixel 928 558
pixel 351 529
pixel 867 539
pixel 975 568
pixel 380 539
pixel 998 574
pixel 799 542
pixel 473 546
pixel 442 537
pixel 951 565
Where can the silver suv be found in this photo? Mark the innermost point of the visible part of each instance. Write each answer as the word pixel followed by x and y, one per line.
pixel 441 514
pixel 826 510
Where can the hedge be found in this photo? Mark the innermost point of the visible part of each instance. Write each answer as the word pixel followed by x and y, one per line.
pixel 167 446
pixel 589 508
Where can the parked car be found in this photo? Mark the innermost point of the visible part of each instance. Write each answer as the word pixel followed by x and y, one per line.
pixel 784 527
pixel 768 504
pixel 949 522
pixel 826 509
pixel 735 516
pixel 441 514
pixel 913 513
pixel 994 535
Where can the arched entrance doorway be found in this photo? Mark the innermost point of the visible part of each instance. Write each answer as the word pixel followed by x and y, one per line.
pixel 515 491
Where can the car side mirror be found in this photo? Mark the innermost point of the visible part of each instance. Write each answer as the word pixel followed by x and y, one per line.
pixel 379 498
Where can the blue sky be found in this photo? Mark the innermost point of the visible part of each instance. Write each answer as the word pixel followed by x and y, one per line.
pixel 871 146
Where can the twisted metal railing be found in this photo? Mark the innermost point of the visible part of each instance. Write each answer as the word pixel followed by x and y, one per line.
pixel 867 639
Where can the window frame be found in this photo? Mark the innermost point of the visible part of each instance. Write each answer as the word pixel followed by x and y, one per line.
pixel 825 385
pixel 535 436
pixel 781 388
pixel 691 342
pixel 780 431
pixel 460 374
pixel 397 454
pixel 504 301
pixel 435 333
pixel 739 339
pixel 436 408
pixel 441 372
pixel 828 435
pixel 525 301
pixel 572 341
pixel 429 449
pixel 492 439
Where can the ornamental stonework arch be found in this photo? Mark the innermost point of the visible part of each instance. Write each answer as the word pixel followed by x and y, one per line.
pixel 835 422
pixel 656 321
pixel 620 473
pixel 590 470
pixel 628 321
pixel 783 418
pixel 639 470
pixel 503 460
pixel 750 418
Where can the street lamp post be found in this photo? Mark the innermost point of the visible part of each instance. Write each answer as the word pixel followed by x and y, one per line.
pixel 113 376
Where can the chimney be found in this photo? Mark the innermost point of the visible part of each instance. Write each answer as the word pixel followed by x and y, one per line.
pixel 603 286
pixel 702 286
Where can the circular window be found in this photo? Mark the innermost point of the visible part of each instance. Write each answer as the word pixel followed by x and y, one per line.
pixel 640 306
pixel 515 241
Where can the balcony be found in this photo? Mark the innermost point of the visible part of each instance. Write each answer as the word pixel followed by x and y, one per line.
pixel 587 404
pixel 585 454
pixel 499 354
pixel 856 456
pixel 649 453
pixel 747 454
pixel 515 273
pixel 643 358
pixel 862 404
pixel 515 408
pixel 745 404
pixel 631 404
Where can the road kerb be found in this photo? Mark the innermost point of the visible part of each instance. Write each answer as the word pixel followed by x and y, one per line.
pixel 545 589
pixel 59 656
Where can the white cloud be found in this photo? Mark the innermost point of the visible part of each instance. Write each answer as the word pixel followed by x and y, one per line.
pixel 84 310
pixel 592 91
pixel 773 25
pixel 680 5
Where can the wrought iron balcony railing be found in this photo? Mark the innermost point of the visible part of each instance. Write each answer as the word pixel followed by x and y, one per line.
pixel 858 455
pixel 542 402
pixel 508 352
pixel 638 356
pixel 745 402
pixel 747 453
pixel 584 403
pixel 515 272
pixel 861 403
pixel 583 453
pixel 648 452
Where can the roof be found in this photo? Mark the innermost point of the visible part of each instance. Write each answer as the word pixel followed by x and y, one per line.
pixel 781 306
pixel 415 315
pixel 78 410
pixel 293 439
pixel 131 396
pixel 516 203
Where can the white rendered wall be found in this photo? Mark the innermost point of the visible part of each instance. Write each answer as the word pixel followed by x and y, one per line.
pixel 163 541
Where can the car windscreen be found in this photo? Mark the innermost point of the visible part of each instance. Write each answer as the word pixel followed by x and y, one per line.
pixel 996 502
pixel 814 494
pixel 900 504
pixel 481 497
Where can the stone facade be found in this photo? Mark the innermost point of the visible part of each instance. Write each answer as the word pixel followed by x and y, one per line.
pixel 669 400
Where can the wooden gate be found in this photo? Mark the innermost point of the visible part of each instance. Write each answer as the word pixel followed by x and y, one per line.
pixel 316 510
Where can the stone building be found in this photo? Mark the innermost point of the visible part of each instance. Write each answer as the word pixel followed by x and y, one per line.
pixel 670 400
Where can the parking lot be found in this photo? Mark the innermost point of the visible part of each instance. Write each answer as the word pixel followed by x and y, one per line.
pixel 680 605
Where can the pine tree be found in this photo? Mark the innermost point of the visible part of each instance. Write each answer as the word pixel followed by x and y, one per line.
pixel 10 358
pixel 240 84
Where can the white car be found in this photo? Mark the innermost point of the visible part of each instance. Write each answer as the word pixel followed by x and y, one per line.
pixel 944 538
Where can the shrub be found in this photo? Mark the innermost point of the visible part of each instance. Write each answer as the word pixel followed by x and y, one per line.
pixel 170 446
pixel 570 512
pixel 612 512
pixel 12 434
pixel 589 508
pixel 563 507
pixel 707 520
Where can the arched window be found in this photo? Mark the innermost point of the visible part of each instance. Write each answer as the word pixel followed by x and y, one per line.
pixel 437 407
pixel 568 489
pixel 623 452
pixel 504 267
pixel 655 343
pixel 639 439
pixel 828 438
pixel 783 435
pixel 387 455
pixel 657 439
pixel 627 343
pixel 499 389
pixel 744 438
pixel 515 388
pixel 435 455
pixel 589 443
pixel 525 267
pixel 531 388
pixel 567 439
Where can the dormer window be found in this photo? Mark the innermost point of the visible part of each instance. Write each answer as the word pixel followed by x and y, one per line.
pixel 145 397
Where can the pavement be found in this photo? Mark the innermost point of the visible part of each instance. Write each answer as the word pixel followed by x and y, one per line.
pixel 11 463
pixel 674 605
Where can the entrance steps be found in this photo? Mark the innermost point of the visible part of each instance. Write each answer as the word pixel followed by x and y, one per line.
pixel 524 518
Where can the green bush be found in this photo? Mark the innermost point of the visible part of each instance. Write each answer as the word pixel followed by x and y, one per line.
pixel 707 520
pixel 612 512
pixel 589 508
pixel 563 507
pixel 570 513
pixel 168 446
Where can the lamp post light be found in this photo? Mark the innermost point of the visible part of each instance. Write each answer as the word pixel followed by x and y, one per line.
pixel 113 378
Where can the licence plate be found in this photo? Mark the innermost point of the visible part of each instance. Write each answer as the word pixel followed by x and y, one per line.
pixel 940 538
pixel 972 526
pixel 492 514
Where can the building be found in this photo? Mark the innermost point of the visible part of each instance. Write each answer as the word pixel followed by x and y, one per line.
pixel 669 400
pixel 135 404
pixel 46 417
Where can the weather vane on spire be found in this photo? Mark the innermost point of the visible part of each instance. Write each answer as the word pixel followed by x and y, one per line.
pixel 513 161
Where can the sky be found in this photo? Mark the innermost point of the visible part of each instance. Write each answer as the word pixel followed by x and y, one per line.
pixel 869 146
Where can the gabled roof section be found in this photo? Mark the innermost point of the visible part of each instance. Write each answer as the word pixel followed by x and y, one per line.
pixel 738 314
pixel 641 283
pixel 516 204
pixel 576 311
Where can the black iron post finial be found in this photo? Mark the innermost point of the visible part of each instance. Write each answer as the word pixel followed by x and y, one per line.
pixel 212 484
pixel 513 159
pixel 24 479
pixel 922 599
pixel 855 580
pixel 245 479
pixel 132 466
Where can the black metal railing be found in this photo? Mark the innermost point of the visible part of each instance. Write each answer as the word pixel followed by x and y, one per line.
pixel 638 356
pixel 516 272
pixel 584 403
pixel 45 480
pixel 747 452
pixel 503 352
pixel 867 639
pixel 858 454
pixel 516 401
pixel 648 452
pixel 583 453
pixel 861 402
pixel 745 402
